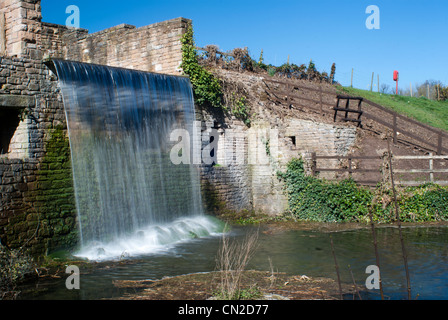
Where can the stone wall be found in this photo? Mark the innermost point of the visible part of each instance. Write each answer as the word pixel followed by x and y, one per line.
pixel 226 183
pixel 37 209
pixel 35 166
pixel 21 26
pixel 153 48
pixel 245 174
pixel 52 39
pixel 249 180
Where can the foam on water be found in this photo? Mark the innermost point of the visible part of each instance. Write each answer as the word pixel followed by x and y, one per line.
pixel 157 238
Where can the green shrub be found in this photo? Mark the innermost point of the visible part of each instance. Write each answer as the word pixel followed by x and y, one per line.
pixel 424 203
pixel 15 266
pixel 271 71
pixel 314 199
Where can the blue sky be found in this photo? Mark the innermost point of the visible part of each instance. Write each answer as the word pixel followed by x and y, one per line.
pixel 411 39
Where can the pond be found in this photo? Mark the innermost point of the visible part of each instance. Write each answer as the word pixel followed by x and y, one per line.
pixel 298 252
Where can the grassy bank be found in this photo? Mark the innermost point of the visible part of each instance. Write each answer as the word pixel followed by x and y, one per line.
pixel 434 113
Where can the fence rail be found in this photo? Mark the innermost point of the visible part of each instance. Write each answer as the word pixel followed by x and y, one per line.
pixel 371 113
pixel 431 171
pixel 315 169
pixel 350 169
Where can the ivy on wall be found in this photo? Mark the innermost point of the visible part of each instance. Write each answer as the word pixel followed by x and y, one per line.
pixel 314 199
pixel 206 88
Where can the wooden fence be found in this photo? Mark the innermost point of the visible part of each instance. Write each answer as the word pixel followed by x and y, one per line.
pixel 400 124
pixel 350 169
pixel 430 171
pixel 403 175
pixel 326 101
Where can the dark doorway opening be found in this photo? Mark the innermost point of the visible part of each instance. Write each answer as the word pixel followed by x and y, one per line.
pixel 9 121
pixel 293 140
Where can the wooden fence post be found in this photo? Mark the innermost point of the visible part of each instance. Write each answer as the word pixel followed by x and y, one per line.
pixel 431 168
pixel 395 128
pixel 321 99
pixel 351 81
pixel 313 163
pixel 378 83
pixel 439 143
pixel 350 171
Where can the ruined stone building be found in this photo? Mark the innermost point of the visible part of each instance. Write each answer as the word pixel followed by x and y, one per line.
pixel 37 207
pixel 37 203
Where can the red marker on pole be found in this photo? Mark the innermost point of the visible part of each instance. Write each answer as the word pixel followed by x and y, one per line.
pixel 396 76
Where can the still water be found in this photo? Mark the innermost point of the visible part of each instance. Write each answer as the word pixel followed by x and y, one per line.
pixel 299 252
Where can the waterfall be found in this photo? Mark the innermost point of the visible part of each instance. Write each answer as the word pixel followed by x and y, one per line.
pixel 130 197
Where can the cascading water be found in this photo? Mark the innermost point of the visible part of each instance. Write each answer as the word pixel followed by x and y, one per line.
pixel 130 197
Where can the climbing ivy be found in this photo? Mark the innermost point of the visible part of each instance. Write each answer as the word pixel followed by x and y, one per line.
pixel 240 109
pixel 207 89
pixel 313 199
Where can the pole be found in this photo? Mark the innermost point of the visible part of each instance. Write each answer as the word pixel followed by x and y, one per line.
pixel 411 88
pixel 431 168
pixel 378 83
pixel 427 89
pixel 375 245
pixel 351 82
pixel 397 217
pixel 336 267
pixel 371 83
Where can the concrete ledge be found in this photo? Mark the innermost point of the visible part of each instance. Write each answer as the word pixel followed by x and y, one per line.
pixel 16 101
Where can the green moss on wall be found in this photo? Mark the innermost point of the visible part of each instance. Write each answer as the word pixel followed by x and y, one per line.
pixel 212 203
pixel 51 202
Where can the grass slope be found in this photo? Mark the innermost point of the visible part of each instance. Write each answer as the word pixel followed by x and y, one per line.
pixel 433 113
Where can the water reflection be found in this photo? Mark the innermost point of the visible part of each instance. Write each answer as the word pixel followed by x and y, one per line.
pixel 294 252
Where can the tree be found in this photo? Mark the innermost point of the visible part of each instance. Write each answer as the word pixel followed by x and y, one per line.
pixel 385 88
pixel 261 60
pixel 442 92
pixel 428 85
pixel 332 73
